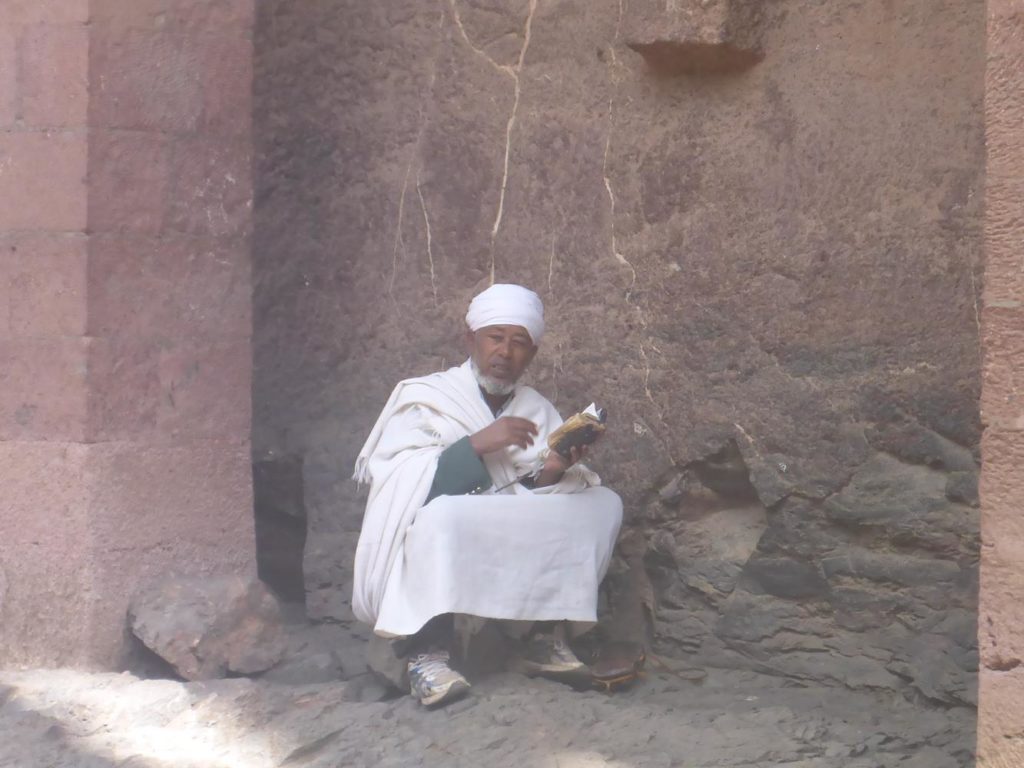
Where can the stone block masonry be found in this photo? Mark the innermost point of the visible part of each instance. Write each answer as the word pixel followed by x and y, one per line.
pixel 125 205
pixel 1001 610
pixel 45 587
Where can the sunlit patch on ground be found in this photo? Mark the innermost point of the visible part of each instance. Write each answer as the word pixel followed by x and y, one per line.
pixel 65 719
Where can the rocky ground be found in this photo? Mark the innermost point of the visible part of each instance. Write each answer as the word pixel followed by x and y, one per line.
pixel 319 706
pixel 67 719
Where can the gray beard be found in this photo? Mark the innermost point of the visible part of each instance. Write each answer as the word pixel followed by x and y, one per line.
pixel 491 385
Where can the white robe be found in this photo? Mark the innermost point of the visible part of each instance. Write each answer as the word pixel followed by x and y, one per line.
pixel 515 554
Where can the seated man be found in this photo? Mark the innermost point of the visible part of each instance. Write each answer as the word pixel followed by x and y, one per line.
pixel 469 513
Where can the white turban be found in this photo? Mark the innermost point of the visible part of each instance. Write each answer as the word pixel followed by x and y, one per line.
pixel 504 304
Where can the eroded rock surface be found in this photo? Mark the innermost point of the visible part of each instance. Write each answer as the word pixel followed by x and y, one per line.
pixel 768 276
pixel 62 719
pixel 694 37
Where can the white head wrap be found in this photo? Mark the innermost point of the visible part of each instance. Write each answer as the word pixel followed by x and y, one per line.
pixel 504 304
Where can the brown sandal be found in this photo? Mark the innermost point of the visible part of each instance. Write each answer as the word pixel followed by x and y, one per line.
pixel 616 665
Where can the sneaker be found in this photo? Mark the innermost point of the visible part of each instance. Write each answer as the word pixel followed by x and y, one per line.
pixel 550 655
pixel 432 681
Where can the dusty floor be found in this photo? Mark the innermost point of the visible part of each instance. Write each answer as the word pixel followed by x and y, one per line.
pixel 74 719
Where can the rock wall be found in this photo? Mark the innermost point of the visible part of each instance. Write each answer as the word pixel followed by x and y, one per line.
pixel 1001 613
pixel 756 228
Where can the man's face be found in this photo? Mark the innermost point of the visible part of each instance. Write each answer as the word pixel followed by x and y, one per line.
pixel 501 352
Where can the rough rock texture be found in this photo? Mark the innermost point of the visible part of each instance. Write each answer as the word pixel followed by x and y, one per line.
pixel 70 720
pixel 280 511
pixel 769 277
pixel 208 628
pixel 321 652
pixel 696 38
pixel 1001 613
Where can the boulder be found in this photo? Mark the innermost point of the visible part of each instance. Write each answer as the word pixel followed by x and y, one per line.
pixel 210 627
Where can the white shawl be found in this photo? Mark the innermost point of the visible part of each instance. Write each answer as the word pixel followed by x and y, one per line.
pixel 422 417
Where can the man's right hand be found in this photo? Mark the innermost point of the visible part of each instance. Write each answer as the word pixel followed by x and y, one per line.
pixel 504 433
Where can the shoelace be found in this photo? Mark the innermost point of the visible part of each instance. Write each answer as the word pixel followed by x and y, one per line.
pixel 430 664
pixel 563 651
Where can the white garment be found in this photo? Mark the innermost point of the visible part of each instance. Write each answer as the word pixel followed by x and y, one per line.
pixel 517 554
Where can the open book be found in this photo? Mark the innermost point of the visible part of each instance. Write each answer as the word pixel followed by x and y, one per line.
pixel 581 429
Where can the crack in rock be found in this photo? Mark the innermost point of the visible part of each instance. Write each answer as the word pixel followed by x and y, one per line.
pixel 607 148
pixel 399 244
pixel 503 68
pixel 513 72
pixel 616 253
pixel 430 252
pixel 399 239
pixel 551 264
pixel 508 130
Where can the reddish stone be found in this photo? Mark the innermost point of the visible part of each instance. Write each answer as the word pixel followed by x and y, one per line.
pixel 6 266
pixel 128 14
pixel 43 181
pixel 156 511
pixel 193 494
pixel 54 74
pixel 83 527
pixel 145 80
pixel 206 391
pixel 8 75
pixel 1002 398
pixel 212 190
pixel 47 284
pixel 1004 278
pixel 1004 102
pixel 42 389
pixel 169 288
pixel 43 557
pixel 207 15
pixel 124 390
pixel 18 12
pixel 226 64
pixel 1001 718
pixel 169 393
pixel 1001 619
pixel 1004 142
pixel 127 181
pixel 1000 613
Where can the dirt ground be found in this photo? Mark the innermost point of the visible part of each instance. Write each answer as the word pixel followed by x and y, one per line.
pixel 68 719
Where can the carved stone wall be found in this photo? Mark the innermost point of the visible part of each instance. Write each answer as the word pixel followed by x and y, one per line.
pixel 761 251
pixel 1001 615
pixel 125 322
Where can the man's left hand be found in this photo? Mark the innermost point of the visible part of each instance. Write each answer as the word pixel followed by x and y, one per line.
pixel 555 465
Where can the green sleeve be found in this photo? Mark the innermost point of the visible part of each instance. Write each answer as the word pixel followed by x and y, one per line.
pixel 459 471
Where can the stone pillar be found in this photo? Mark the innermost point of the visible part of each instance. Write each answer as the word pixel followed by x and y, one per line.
pixel 125 207
pixel 1001 619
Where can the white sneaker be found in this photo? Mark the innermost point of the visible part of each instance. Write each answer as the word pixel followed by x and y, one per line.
pixel 432 681
pixel 548 655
